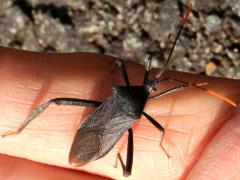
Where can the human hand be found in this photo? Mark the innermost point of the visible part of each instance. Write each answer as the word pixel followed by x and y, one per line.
pixel 201 130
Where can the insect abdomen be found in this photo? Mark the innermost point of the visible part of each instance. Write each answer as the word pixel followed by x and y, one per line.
pixel 99 132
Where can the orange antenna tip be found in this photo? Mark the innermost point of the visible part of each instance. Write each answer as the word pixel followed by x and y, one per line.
pixel 186 14
pixel 220 96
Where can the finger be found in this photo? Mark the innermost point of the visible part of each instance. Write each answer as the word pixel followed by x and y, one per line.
pixel 220 160
pixel 17 168
pixel 31 79
pixel 191 117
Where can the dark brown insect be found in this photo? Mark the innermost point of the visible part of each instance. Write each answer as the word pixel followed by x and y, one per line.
pixel 102 129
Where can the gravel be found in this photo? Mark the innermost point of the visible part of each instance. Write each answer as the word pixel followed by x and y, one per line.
pixel 209 45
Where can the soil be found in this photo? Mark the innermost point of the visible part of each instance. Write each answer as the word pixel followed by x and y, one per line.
pixel 209 44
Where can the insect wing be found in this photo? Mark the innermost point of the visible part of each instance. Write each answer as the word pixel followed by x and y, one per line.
pixel 99 132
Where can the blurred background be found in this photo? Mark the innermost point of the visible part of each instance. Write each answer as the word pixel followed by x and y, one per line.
pixel 134 29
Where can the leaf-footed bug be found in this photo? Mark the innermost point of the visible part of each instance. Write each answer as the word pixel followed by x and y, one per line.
pixel 101 130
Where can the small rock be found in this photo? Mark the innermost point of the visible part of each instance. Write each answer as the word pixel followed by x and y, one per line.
pixel 213 23
pixel 217 48
pixel 235 5
pixel 210 68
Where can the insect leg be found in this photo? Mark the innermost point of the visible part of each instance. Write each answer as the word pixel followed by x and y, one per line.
pixel 123 71
pixel 149 60
pixel 147 69
pixel 160 128
pixel 58 101
pixel 127 169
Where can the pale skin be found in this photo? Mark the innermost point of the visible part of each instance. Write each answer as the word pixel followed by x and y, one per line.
pixel 202 132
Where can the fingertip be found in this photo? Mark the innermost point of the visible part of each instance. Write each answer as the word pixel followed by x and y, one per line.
pixel 221 157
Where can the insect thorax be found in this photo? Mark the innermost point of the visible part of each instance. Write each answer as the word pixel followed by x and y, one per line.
pixel 131 99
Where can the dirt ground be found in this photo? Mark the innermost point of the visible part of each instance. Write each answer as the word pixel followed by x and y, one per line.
pixel 210 42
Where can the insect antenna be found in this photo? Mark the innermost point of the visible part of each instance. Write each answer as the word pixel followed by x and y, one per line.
pixel 182 22
pixel 219 96
pixel 157 79
pixel 185 85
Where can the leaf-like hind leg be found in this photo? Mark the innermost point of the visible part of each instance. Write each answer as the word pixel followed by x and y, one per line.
pixel 123 72
pixel 160 128
pixel 127 168
pixel 58 101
